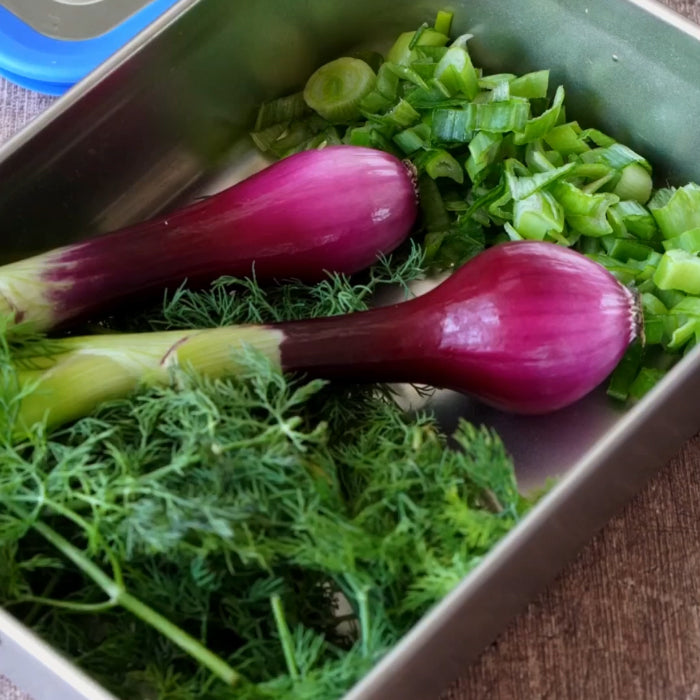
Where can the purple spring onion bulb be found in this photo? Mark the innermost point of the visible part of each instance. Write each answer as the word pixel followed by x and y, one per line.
pixel 331 210
pixel 529 327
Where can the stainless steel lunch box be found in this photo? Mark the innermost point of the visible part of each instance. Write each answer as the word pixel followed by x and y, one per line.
pixel 165 119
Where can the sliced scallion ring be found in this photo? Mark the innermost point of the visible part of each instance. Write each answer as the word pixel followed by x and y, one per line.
pixel 336 88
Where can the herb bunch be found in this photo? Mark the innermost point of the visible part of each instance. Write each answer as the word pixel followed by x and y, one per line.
pixel 259 537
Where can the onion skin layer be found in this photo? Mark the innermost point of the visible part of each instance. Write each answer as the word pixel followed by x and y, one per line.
pixel 331 210
pixel 528 327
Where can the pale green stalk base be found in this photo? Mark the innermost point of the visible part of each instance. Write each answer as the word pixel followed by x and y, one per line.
pixel 95 369
pixel 24 296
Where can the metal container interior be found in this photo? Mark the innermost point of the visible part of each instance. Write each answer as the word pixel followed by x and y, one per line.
pixel 166 120
pixel 73 19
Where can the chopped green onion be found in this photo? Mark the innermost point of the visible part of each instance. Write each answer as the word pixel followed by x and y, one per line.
pixel 435 216
pixel 403 52
pixel 499 117
pixel 387 82
pixel 684 333
pixel 619 156
pixel 626 273
pixel 669 297
pixel 525 184
pixel 439 163
pixel 566 139
pixel 501 210
pixel 538 216
pixel 434 95
pixel 416 36
pixel 490 82
pixel 676 210
pixel 453 125
pixel 443 22
pixel 374 102
pixel 483 150
pixel 653 305
pixel 359 136
pixel 655 319
pixel 678 270
pixel 646 380
pixel 413 139
pixel 512 232
pixel 281 110
pixel 402 115
pixel 266 138
pixel 688 240
pixel 406 73
pixel 335 90
pixel 431 53
pixel 510 115
pixel 500 93
pixel 531 85
pixel 654 330
pixel 456 72
pixel 292 138
pixel 328 137
pixel 637 219
pixel 590 171
pixel 689 306
pixel 626 371
pixel 602 181
pixel 629 249
pixel 537 127
pixel 426 69
pixel 585 212
pixel 634 184
pixel 536 159
pixel 598 138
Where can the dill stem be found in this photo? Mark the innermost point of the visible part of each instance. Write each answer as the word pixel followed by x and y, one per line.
pixel 35 611
pixel 285 636
pixel 363 610
pixel 118 596
pixel 492 502
pixel 178 636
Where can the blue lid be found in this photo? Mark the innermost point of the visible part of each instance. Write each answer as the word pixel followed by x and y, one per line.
pixel 45 64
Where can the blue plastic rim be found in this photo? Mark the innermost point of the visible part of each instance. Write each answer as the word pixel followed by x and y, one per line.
pixel 38 62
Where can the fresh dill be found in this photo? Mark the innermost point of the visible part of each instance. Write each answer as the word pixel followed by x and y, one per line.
pixel 201 536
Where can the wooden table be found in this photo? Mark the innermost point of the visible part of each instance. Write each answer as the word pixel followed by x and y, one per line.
pixel 622 622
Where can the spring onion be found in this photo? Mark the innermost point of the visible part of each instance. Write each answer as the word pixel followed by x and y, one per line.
pixel 335 209
pixel 529 327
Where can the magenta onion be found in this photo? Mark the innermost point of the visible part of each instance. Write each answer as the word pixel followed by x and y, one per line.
pixel 528 327
pixel 330 210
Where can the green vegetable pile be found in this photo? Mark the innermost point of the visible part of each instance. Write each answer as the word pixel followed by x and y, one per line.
pixel 498 159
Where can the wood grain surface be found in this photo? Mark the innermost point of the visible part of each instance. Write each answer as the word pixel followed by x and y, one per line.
pixel 622 622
